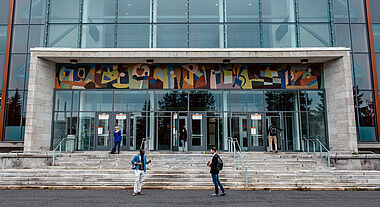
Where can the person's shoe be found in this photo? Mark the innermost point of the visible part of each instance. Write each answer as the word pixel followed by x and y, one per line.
pixel 134 194
pixel 214 195
pixel 276 151
pixel 224 193
pixel 140 193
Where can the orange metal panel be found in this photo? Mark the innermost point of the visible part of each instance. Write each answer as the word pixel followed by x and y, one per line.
pixel 6 68
pixel 373 64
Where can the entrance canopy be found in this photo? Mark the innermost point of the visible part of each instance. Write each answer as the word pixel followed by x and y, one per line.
pixel 336 69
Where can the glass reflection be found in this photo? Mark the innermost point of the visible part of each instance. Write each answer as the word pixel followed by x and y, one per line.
pixel 171 101
pixel 205 101
pixel 278 11
pixel 279 35
pixel 281 100
pixel 242 10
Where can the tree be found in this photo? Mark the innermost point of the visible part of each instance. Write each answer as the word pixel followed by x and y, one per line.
pixel 14 110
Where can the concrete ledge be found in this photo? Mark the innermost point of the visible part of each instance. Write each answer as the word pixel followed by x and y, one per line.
pixel 356 162
pixel 369 145
pixel 12 144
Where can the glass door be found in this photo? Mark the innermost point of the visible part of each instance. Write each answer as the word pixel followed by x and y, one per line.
pixel 121 120
pixel 103 129
pixel 256 139
pixel 197 131
pixel 275 117
pixel 239 129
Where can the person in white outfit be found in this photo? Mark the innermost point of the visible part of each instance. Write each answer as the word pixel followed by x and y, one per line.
pixel 139 162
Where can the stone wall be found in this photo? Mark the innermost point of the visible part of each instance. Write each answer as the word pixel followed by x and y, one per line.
pixel 340 105
pixel 39 105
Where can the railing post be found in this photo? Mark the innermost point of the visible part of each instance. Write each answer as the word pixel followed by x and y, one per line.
pixel 53 157
pixel 328 158
pixel 246 178
pixel 308 146
pixel 320 149
pixel 60 149
pixel 313 147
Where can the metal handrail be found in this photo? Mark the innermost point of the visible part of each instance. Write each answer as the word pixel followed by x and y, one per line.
pixel 233 142
pixel 145 143
pixel 60 150
pixel 321 145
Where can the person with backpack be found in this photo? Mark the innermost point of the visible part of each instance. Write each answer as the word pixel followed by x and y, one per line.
pixel 139 165
pixel 116 140
pixel 216 166
pixel 272 131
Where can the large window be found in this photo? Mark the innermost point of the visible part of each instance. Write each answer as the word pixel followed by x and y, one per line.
pixel 64 11
pixel 132 11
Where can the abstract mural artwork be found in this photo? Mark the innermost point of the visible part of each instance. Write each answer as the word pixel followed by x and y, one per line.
pixel 189 76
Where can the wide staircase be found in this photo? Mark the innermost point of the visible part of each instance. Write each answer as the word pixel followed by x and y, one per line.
pixel 173 170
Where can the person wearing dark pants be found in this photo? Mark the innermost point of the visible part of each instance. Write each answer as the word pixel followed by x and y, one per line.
pixel 215 173
pixel 117 139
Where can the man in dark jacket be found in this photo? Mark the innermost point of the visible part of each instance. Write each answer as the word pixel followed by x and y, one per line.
pixel 272 131
pixel 215 173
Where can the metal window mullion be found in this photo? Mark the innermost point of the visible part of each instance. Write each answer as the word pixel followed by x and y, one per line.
pixel 188 24
pixel 261 23
pixel 298 43
pixel 79 44
pixel 116 22
pixel 331 23
pixel 46 28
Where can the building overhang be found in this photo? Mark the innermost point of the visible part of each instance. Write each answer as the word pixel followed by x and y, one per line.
pixel 190 55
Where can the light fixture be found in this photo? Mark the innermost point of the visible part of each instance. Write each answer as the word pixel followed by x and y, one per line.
pixel 149 61
pixel 304 61
pixel 73 61
pixel 226 61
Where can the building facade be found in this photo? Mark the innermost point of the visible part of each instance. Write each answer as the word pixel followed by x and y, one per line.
pixel 234 87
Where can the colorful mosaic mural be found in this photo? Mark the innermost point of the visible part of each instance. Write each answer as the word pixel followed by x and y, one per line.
pixel 189 76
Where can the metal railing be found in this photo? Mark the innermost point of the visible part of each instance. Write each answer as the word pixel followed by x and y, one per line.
pixel 322 147
pixel 235 148
pixel 59 146
pixel 145 144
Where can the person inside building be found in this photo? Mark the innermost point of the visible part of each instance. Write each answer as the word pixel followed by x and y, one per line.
pixel 116 140
pixel 139 164
pixel 272 131
pixel 183 137
pixel 216 165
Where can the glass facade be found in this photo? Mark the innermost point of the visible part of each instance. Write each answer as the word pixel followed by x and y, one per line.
pixel 191 24
pixel 243 114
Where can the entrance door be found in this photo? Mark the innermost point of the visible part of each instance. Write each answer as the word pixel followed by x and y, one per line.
pixel 197 131
pixel 104 126
pixel 179 120
pixel 275 117
pixel 239 129
pixel 121 120
pixel 257 140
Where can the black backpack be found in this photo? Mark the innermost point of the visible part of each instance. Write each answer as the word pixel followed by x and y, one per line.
pixel 219 164
pixel 273 130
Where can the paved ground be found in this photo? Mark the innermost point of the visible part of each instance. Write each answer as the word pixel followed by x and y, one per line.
pixel 92 198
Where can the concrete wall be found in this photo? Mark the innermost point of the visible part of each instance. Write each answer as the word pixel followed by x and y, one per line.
pixel 340 105
pixel 39 105
pixel 337 76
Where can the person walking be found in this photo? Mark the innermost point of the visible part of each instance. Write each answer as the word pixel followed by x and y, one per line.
pixel 216 165
pixel 183 137
pixel 116 140
pixel 272 131
pixel 139 162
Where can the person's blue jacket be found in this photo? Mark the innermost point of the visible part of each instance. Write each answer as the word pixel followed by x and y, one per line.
pixel 117 136
pixel 136 160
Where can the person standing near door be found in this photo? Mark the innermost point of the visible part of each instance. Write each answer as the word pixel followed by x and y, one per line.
pixel 272 131
pixel 183 137
pixel 139 164
pixel 116 139
pixel 216 165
